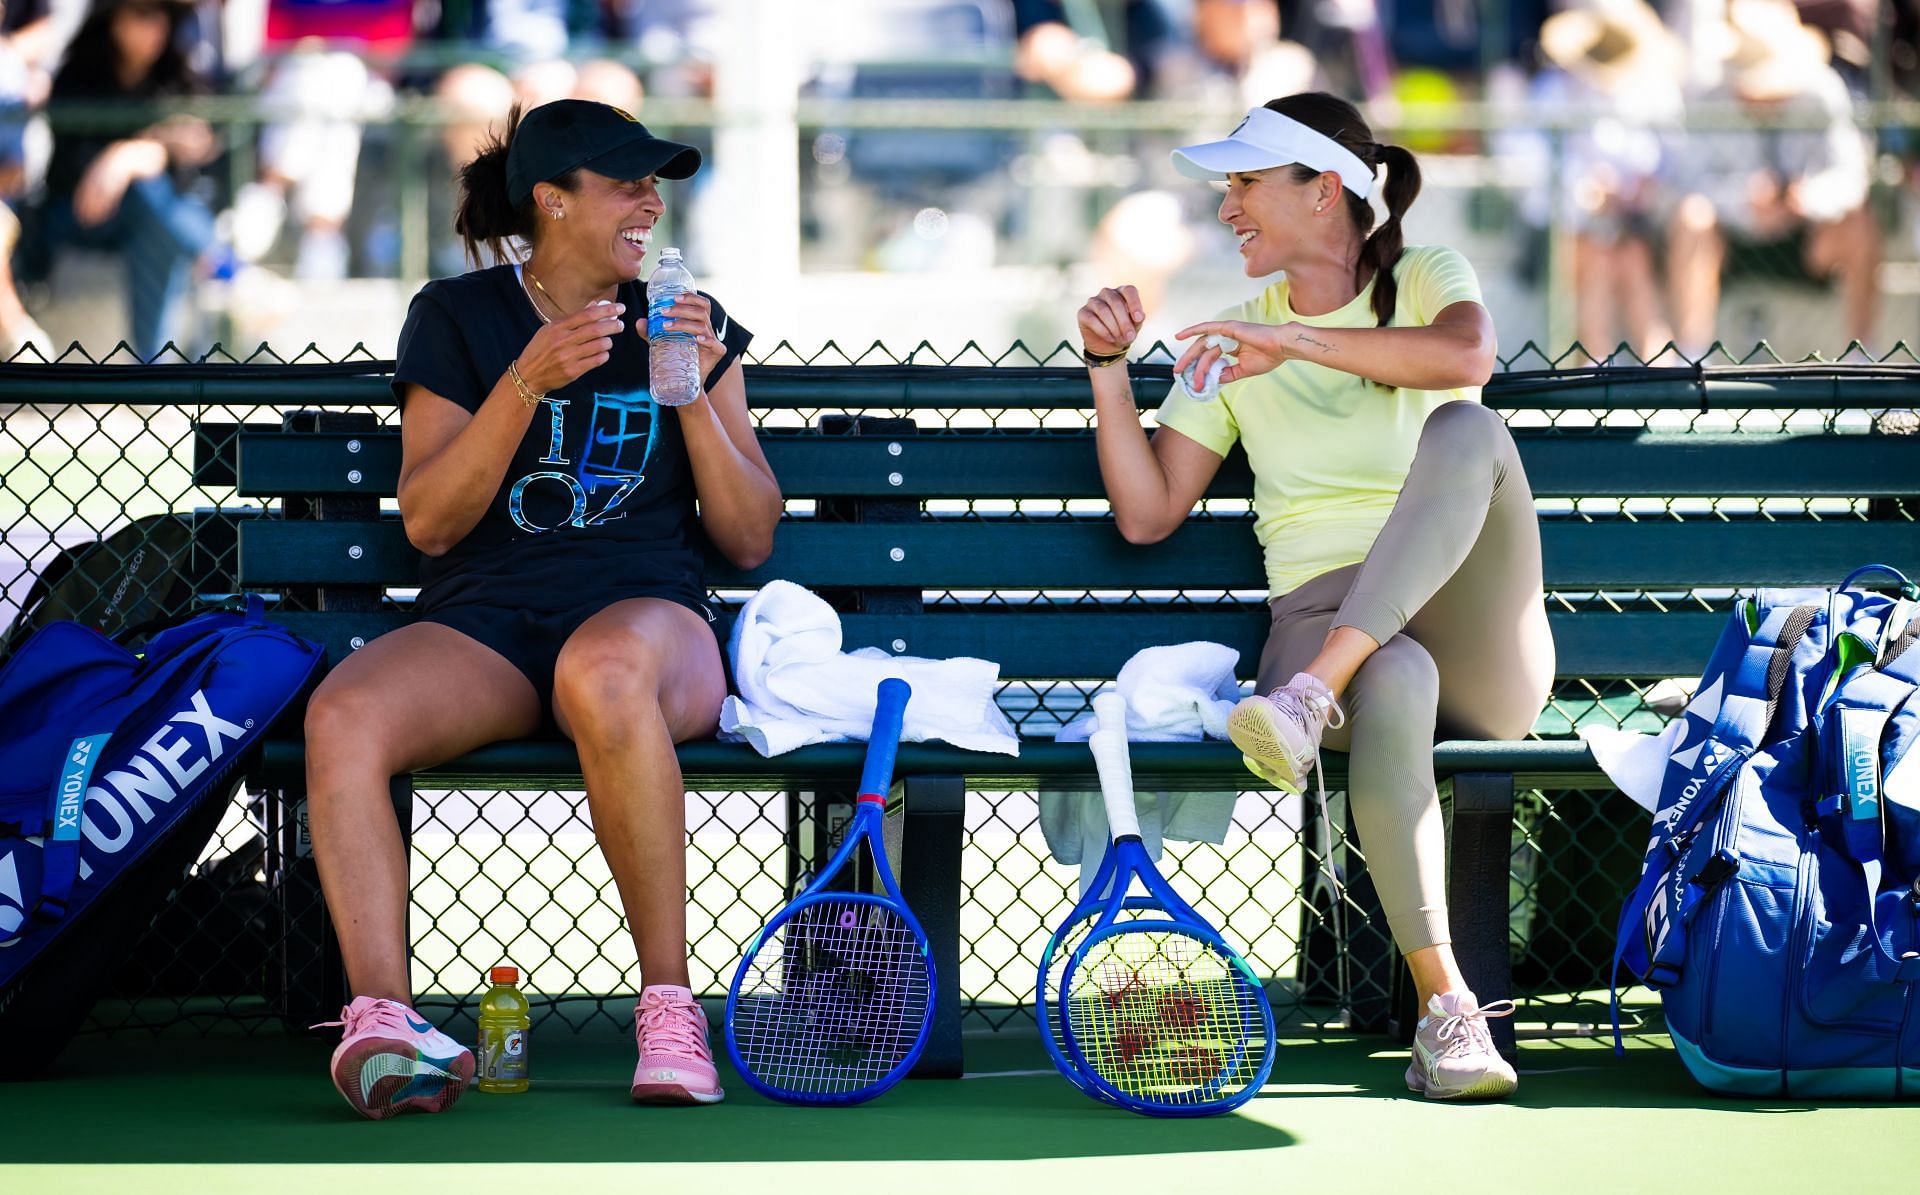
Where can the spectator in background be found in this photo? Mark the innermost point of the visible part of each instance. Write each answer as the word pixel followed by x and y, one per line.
pixel 28 47
pixel 130 189
pixel 1765 184
pixel 1079 63
pixel 322 89
pixel 1617 68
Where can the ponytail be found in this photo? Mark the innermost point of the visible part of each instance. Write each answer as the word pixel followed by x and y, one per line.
pixel 1383 246
pixel 1380 253
pixel 484 216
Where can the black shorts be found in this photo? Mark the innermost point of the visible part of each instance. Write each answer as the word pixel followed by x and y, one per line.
pixel 531 639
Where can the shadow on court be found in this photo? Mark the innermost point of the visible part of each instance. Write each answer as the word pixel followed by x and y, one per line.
pixel 267 1100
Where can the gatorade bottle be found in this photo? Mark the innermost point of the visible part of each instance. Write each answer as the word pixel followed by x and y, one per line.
pixel 674 369
pixel 503 1034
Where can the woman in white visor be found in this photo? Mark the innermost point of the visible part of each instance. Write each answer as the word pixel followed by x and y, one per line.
pixel 1401 545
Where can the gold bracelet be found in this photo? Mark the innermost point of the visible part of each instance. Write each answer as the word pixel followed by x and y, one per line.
pixel 527 395
pixel 1102 360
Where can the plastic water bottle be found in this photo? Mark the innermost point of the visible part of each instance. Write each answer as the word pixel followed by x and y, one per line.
pixel 503 1033
pixel 674 372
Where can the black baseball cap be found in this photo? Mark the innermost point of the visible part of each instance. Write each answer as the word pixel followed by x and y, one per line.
pixel 568 134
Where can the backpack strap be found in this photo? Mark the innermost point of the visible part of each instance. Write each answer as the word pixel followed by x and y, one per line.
pixel 1852 810
pixel 60 859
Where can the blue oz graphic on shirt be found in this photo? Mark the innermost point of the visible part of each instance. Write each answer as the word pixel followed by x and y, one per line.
pixel 557 417
pixel 620 438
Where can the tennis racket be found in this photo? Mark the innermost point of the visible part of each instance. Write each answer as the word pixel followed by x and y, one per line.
pixel 1159 1015
pixel 1069 937
pixel 834 1000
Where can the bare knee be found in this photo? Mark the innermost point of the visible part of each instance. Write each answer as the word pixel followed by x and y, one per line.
pixel 343 728
pixel 610 677
pixel 1695 217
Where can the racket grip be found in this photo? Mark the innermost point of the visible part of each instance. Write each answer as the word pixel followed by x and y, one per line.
pixel 889 713
pixel 1110 712
pixel 1109 745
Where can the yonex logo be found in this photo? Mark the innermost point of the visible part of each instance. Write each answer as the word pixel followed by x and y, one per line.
pixel 166 765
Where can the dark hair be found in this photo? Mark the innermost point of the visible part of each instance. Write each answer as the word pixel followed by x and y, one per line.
pixel 485 216
pixel 1335 117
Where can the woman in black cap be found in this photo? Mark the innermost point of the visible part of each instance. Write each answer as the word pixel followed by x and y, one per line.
pixel 555 502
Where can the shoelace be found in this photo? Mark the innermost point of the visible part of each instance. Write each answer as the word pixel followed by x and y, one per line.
pixel 1464 1031
pixel 675 1024
pixel 1319 711
pixel 378 1014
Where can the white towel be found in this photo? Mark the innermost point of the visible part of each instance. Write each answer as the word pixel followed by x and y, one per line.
pixel 797 687
pixel 1635 762
pixel 1207 389
pixel 1176 693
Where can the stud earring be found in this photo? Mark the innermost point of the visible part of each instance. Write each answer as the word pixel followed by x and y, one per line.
pixel 558 213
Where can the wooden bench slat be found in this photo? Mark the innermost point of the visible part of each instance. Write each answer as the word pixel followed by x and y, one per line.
pixel 1076 644
pixel 1089 554
pixel 1051 465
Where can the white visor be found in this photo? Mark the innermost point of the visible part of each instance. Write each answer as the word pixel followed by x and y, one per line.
pixel 1266 139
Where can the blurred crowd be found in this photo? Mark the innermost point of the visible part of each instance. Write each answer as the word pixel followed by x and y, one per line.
pixel 1699 128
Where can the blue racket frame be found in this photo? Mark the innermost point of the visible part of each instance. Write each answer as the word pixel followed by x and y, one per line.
pixel 1048 1018
pixel 1129 859
pixel 867 826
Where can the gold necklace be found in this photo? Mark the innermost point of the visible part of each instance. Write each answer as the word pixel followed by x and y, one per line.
pixel 526 274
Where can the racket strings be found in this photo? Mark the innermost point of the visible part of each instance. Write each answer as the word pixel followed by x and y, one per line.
pixel 834 999
pixel 1165 1018
pixel 1069 942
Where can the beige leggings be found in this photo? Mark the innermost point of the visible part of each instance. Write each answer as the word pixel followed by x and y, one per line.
pixel 1451 590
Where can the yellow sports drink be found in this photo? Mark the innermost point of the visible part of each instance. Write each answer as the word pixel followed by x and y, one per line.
pixel 503 1033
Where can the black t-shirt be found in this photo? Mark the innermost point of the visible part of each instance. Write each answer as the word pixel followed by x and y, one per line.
pixel 597 503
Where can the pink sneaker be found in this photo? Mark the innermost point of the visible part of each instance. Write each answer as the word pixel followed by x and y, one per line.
pixel 676 1066
pixel 1453 1055
pixel 390 1060
pixel 1279 734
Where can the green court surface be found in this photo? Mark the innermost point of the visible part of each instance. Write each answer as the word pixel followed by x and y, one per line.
pixel 256 1114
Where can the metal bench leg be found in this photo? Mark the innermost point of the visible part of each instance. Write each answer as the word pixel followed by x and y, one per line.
pixel 934 825
pixel 1477 896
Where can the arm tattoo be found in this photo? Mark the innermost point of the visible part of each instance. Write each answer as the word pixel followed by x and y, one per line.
pixel 1306 339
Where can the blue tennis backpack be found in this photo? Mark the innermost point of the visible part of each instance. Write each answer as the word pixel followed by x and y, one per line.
pixel 114 770
pixel 1778 909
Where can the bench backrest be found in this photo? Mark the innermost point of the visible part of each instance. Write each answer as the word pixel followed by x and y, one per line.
pixel 948 539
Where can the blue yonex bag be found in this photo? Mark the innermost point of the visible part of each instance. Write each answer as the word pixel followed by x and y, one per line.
pixel 114 770
pixel 1778 911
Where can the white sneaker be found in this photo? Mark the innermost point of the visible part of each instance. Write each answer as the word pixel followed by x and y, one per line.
pixel 1453 1053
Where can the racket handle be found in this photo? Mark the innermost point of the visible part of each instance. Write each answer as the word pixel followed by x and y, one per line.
pixel 1109 744
pixel 1110 712
pixel 889 712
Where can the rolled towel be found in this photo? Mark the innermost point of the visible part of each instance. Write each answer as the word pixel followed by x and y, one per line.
pixel 1210 389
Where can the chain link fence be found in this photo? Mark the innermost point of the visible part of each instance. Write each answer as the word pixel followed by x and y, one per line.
pixel 516 876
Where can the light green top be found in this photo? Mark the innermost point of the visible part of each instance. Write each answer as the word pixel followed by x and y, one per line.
pixel 1329 450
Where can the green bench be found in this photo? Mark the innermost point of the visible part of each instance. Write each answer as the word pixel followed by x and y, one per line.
pixel 955 511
